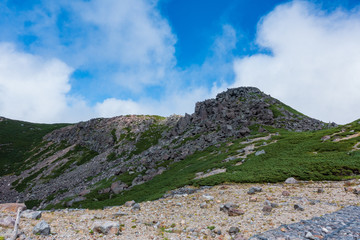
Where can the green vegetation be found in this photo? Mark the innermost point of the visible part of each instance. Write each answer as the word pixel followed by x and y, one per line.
pixel 111 157
pixel 79 155
pixel 148 138
pixel 113 134
pixel 129 136
pixel 295 154
pixel 32 203
pixel 276 109
pixel 17 138
pixel 188 139
pixel 24 183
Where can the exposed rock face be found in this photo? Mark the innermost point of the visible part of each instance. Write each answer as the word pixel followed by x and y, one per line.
pixel 142 146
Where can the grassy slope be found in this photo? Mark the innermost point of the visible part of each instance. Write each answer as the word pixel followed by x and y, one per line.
pixel 301 155
pixel 17 138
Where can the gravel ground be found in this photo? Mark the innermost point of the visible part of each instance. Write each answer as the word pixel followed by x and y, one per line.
pixel 180 216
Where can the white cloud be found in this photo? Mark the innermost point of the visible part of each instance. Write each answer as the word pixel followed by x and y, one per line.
pixel 315 61
pixel 130 36
pixel 31 87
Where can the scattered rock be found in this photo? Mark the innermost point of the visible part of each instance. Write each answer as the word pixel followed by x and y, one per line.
pixel 267 209
pixel 130 203
pixel 120 214
pixel 235 212
pixel 285 193
pixel 325 230
pixel 239 237
pixel 274 205
pixel 203 205
pixel 260 152
pixel 118 187
pixel 106 227
pixel 325 138
pixel 42 228
pixel 208 197
pixel 227 206
pixel 31 214
pixel 291 181
pixel 234 230
pixel 298 207
pixel 253 190
pixel 253 199
pixel 104 191
pixel 84 192
pixel 320 190
pixel 7 222
pixel 309 235
pixel 136 207
pixel 77 199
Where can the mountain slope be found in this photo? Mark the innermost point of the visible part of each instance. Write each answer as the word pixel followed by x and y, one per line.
pixel 107 161
pixel 17 138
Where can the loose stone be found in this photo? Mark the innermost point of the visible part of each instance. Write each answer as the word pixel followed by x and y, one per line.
pixel 106 227
pixel 298 207
pixel 31 214
pixel 42 228
pixel 234 230
pixel 267 209
pixel 235 212
pixel 285 193
pixel 291 181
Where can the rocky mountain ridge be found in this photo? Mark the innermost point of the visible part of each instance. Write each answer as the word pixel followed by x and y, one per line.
pixel 132 150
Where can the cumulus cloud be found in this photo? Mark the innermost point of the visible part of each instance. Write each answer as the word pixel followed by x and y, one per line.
pixel 31 87
pixel 314 65
pixel 129 35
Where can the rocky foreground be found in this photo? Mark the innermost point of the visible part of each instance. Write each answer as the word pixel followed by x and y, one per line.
pixel 236 211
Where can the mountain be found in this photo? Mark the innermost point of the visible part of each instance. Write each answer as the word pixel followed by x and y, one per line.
pixel 243 135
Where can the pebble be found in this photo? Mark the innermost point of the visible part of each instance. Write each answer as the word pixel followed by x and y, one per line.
pixel 267 209
pixel 341 225
pixel 320 190
pixel 136 207
pixel 203 205
pixel 106 227
pixel 253 190
pixel 129 203
pixel 253 199
pixel 234 230
pixel 285 193
pixel 208 197
pixel 298 207
pixel 235 212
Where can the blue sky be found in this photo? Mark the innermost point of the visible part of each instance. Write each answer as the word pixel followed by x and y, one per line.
pixel 67 61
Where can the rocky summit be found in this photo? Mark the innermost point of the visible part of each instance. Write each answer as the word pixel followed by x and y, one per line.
pixel 153 176
pixel 105 158
pixel 74 158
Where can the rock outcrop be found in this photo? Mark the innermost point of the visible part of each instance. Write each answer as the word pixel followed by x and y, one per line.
pixel 77 156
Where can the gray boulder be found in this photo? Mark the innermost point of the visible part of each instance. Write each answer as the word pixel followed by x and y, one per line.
pixel 260 152
pixel 42 228
pixel 136 207
pixel 31 214
pixel 7 222
pixel 291 181
pixel 117 187
pixel 106 227
pixel 253 190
